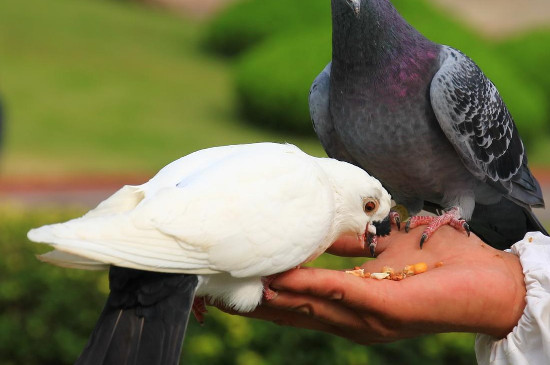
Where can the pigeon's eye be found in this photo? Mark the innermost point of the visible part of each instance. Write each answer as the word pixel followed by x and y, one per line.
pixel 371 206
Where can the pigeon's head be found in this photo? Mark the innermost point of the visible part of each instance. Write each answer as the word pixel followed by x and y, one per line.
pixel 360 199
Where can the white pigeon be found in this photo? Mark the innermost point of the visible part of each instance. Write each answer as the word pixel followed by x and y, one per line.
pixel 226 215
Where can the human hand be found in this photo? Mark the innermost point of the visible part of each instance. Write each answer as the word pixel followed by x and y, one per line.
pixel 477 289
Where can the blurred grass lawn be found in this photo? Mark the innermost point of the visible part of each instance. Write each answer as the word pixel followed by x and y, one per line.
pixel 108 86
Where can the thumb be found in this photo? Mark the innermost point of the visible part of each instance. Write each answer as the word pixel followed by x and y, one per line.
pixel 352 246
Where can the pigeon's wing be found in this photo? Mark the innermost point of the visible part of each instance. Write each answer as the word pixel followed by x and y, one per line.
pixel 476 121
pixel 271 214
pixel 254 212
pixel 319 111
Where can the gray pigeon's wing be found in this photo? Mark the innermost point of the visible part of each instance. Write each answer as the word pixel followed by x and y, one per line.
pixel 476 121
pixel 319 110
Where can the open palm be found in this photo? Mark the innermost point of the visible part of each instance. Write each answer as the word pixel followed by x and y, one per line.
pixel 475 288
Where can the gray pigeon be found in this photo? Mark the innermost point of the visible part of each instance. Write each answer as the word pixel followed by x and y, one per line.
pixel 424 119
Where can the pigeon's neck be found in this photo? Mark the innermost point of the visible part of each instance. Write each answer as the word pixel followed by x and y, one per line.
pixel 374 36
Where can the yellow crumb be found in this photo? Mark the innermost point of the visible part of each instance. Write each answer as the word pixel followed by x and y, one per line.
pixel 420 268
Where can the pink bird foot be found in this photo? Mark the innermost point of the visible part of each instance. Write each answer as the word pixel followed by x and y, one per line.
pixel 199 309
pixel 450 217
pixel 269 294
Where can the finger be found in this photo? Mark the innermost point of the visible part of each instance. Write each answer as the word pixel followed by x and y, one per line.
pixel 352 246
pixel 357 293
pixel 289 311
pixel 331 316
pixel 328 311
pixel 349 246
pixel 285 317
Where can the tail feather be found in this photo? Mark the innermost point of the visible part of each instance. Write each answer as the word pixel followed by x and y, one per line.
pixel 117 241
pixel 526 189
pixel 504 223
pixel 144 319
pixel 71 261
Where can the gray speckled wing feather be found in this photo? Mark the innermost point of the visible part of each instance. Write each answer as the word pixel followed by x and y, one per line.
pixel 476 121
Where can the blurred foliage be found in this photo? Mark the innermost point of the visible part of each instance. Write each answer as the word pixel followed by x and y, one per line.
pixel 248 22
pixel 47 314
pixel 273 79
pixel 531 53
pixel 275 71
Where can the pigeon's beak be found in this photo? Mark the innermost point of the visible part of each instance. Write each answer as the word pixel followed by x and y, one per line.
pixel 370 230
pixel 355 5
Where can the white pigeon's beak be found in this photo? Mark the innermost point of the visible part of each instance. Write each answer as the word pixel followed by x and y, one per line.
pixel 355 5
pixel 371 229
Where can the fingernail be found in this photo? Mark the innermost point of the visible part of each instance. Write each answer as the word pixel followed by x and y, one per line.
pixel 336 296
pixel 304 309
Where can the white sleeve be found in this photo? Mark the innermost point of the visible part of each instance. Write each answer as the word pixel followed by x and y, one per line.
pixel 529 341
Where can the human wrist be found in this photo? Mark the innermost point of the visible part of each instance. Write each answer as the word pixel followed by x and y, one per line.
pixel 514 301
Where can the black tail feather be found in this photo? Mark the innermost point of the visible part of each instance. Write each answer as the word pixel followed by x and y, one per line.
pixel 144 319
pixel 503 224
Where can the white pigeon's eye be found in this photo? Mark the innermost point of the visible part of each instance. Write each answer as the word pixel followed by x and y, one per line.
pixel 370 206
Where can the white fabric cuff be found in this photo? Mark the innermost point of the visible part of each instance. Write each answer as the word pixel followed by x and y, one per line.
pixel 529 341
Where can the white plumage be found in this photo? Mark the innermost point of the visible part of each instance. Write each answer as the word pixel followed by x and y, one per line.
pixel 229 214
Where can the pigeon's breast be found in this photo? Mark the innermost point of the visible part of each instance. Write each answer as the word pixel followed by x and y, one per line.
pixel 393 133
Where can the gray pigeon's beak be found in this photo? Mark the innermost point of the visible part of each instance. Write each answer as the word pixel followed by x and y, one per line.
pixel 355 5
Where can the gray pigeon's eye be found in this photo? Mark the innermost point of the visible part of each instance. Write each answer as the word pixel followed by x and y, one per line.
pixel 371 206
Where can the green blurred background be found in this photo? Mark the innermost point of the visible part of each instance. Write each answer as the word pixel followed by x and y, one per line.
pixel 105 88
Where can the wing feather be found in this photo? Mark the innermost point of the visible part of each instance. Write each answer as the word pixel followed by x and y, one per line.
pixel 210 221
pixel 475 119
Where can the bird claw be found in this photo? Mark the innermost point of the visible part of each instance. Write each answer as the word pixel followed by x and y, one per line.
pixel 423 239
pixel 199 309
pixel 449 217
pixel 268 293
pixel 372 241
pixel 395 218
pixel 466 227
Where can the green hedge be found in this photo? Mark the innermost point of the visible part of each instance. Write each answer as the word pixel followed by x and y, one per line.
pixel 47 314
pixel 273 76
pixel 248 22
pixel 531 53
pixel 273 79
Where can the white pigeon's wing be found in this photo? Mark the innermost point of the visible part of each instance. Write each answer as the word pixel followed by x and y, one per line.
pixel 193 164
pixel 128 197
pixel 124 200
pixel 71 261
pixel 319 111
pixel 270 213
pixel 258 212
